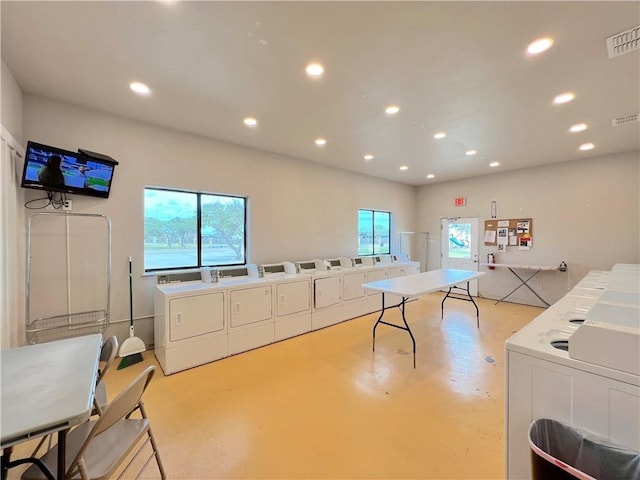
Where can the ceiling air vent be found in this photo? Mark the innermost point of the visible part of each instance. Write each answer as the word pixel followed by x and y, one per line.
pixel 628 120
pixel 624 42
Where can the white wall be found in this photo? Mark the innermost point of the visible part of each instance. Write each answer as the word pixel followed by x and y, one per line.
pixel 299 210
pixel 11 103
pixel 12 219
pixel 584 212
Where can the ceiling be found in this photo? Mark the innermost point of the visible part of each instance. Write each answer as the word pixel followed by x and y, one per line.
pixel 457 67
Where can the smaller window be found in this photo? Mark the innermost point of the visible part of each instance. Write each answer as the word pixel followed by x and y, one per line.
pixel 374 232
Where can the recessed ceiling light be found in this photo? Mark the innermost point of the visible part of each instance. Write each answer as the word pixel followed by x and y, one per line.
pixel 368 157
pixel 431 175
pixel 404 167
pixel 587 146
pixel 494 164
pixel 392 109
pixel 564 98
pixel 540 45
pixel 578 127
pixel 440 135
pixel 314 70
pixel 470 152
pixel 140 88
pixel 250 122
pixel 321 142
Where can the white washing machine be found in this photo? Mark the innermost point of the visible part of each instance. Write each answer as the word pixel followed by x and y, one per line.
pixel 398 266
pixel 190 325
pixel 292 299
pixel 251 318
pixel 374 299
pixel 354 297
pixel 578 363
pixel 406 266
pixel 356 300
pixel 326 288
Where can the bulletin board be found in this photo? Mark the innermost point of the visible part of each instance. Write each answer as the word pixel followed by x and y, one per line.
pixel 515 233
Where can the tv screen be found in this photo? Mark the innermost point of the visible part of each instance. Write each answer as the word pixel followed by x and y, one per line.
pixel 53 169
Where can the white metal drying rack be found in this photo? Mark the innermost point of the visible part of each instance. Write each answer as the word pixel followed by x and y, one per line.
pixel 413 236
pixel 71 324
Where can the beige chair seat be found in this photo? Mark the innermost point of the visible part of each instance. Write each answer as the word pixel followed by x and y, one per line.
pixel 99 448
pixel 104 453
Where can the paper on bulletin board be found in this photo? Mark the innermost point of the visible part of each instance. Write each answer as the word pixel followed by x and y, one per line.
pixel 525 243
pixel 503 238
pixel 489 236
pixel 503 223
pixel 523 227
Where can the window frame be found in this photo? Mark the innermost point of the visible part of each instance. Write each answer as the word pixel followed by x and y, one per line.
pixel 199 195
pixel 373 232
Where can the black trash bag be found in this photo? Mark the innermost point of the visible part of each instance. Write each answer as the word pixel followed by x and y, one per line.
pixel 562 452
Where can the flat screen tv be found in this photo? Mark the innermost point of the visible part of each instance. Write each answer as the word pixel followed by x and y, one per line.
pixel 53 169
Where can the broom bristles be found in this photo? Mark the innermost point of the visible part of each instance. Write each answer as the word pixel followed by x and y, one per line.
pixel 130 360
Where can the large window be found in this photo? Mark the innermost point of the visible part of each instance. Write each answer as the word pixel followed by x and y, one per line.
pixel 190 229
pixel 374 229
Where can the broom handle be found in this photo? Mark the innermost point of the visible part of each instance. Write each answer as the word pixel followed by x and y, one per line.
pixel 130 297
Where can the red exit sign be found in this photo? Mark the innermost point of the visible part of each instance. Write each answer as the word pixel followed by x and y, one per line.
pixel 460 201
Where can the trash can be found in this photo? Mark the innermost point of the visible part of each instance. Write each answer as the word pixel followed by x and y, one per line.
pixel 562 452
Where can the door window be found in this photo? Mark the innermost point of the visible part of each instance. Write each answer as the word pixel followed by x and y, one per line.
pixel 459 240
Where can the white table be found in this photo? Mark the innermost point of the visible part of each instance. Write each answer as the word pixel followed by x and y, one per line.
pixel 524 282
pixel 46 388
pixel 419 284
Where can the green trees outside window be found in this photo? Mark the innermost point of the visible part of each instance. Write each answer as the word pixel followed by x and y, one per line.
pixel 374 232
pixel 191 229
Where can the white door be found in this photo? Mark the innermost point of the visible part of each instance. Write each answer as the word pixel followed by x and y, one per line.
pixel 196 315
pixel 327 291
pixel 459 246
pixel 250 305
pixel 293 297
pixel 352 285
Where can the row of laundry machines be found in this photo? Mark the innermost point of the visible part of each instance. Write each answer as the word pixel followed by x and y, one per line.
pixel 233 310
pixel 578 363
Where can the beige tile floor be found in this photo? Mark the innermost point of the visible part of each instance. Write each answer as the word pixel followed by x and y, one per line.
pixel 323 405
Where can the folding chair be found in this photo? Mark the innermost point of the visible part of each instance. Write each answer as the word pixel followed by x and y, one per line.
pixel 107 355
pixel 98 448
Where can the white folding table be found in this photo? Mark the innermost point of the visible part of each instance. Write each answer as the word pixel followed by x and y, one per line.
pixel 46 388
pixel 524 282
pixel 419 284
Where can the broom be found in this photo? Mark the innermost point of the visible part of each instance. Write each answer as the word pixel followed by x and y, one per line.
pixel 132 348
